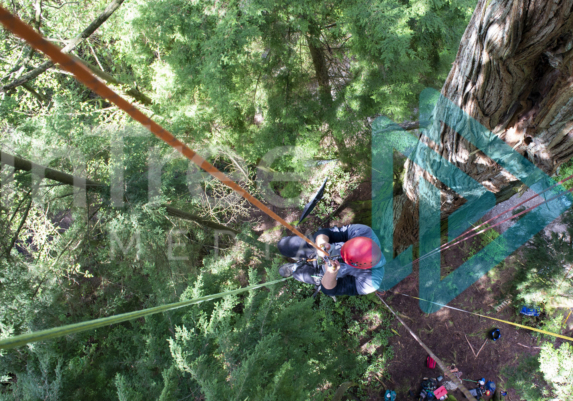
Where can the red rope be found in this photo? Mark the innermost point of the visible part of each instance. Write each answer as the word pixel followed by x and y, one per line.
pixel 451 243
pixel 508 210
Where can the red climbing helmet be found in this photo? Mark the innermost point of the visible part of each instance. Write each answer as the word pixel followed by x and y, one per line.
pixel 361 252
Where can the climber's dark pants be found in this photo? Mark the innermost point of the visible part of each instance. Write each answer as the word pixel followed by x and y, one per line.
pixel 296 248
pixel 308 273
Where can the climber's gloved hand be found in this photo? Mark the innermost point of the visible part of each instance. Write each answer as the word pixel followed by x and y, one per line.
pixel 333 267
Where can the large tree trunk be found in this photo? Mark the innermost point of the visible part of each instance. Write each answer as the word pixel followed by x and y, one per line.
pixel 513 74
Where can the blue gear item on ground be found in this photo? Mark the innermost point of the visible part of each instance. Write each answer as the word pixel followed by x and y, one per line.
pixel 529 311
pixel 390 395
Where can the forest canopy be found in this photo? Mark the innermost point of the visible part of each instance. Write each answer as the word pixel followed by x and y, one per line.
pixel 234 80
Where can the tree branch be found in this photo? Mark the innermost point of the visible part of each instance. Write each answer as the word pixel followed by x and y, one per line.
pixel 34 93
pixel 68 179
pixel 18 208
pixel 26 165
pixel 404 126
pixel 133 91
pixel 17 234
pixel 323 79
pixel 109 10
pixel 171 211
pixel 65 4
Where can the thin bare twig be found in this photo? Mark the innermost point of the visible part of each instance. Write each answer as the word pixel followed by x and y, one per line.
pixel 95 55
pixel 18 208
pixel 61 196
pixel 57 8
pixel 50 268
pixel 527 346
pixel 481 347
pixel 15 238
pixel 109 10
pixel 472 348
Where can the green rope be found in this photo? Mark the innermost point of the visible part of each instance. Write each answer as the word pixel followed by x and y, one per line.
pixel 56 332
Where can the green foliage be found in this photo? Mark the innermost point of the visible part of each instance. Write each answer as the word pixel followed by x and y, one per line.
pixel 563 172
pixel 481 241
pixel 43 377
pixel 546 376
pixel 543 281
pixel 213 68
pixel 557 368
pixel 340 184
pixel 234 80
pixel 271 345
pixel 526 379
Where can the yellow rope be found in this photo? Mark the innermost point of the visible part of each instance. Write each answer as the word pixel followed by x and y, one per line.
pixel 493 318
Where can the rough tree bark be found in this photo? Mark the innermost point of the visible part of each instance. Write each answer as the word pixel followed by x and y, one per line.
pixel 514 74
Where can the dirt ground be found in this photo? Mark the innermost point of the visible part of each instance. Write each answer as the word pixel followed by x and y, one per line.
pixel 455 337
pixel 449 333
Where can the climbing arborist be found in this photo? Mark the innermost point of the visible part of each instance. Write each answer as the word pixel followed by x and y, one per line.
pixel 354 264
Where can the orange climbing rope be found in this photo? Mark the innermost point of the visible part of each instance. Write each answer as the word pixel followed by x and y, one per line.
pixel 84 75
